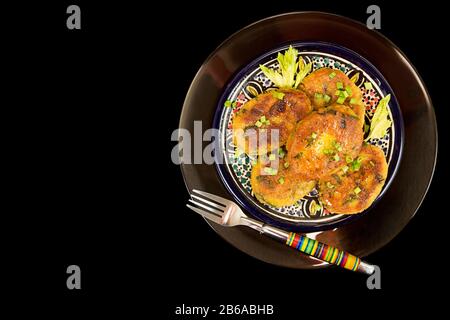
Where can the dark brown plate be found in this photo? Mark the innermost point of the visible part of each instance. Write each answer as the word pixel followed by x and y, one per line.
pixel 401 201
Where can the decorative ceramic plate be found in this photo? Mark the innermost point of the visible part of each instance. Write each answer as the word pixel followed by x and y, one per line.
pixel 222 75
pixel 307 214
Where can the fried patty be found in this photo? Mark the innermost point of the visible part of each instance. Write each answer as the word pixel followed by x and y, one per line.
pixel 352 188
pixel 280 109
pixel 323 141
pixel 324 82
pixel 280 188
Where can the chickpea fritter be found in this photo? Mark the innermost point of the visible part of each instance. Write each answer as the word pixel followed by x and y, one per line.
pixel 278 188
pixel 322 141
pixel 280 109
pixel 327 86
pixel 353 188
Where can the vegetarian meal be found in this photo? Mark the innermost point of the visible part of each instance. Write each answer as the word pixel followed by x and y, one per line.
pixel 319 120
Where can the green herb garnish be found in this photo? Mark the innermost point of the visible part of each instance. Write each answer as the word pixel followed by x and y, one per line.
pixel 326 98
pixel 357 190
pixel 303 70
pixel 262 121
pixel 339 85
pixel 340 100
pixel 368 85
pixel 289 76
pixel 272 157
pixel 278 95
pixel 356 164
pixel 337 145
pixel 270 171
pixel 348 90
pixel 380 122
pixel 281 180
pixel 332 75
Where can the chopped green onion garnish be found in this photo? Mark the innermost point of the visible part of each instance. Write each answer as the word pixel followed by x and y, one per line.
pixel 272 157
pixel 356 164
pixel 314 135
pixel 281 180
pixel 327 98
pixel 336 157
pixel 234 104
pixel 357 190
pixel 352 101
pixel 348 90
pixel 258 124
pixel 318 95
pixel 263 120
pixel 332 75
pixel 368 85
pixel 330 185
pixel 281 152
pixel 337 145
pixel 339 85
pixel 345 169
pixel 348 159
pixel 337 93
pixel 228 103
pixel 278 95
pixel 344 94
pixel 270 171
pixel 328 152
pixel 286 165
pixel 340 100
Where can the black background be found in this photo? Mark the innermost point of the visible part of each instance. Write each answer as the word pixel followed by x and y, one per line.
pixel 93 183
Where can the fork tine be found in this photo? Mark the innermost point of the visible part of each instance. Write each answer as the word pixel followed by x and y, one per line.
pixel 218 199
pixel 212 204
pixel 199 204
pixel 205 214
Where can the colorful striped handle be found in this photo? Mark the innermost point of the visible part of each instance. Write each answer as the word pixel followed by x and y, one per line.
pixel 323 251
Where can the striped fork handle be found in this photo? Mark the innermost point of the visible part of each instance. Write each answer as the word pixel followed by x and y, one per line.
pixel 325 252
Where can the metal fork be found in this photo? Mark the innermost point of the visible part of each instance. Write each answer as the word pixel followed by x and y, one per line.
pixel 227 213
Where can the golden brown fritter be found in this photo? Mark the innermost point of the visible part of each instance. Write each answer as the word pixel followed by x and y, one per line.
pixel 353 188
pixel 322 141
pixel 272 110
pixel 298 101
pixel 278 187
pixel 323 85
